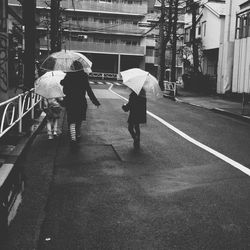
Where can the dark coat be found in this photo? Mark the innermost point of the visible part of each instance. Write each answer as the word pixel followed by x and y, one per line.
pixel 75 85
pixel 137 105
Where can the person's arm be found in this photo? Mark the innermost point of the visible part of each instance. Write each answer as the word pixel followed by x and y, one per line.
pixel 45 104
pixel 91 94
pixel 126 107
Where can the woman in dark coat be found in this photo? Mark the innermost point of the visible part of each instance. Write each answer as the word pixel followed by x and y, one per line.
pixel 137 105
pixel 75 85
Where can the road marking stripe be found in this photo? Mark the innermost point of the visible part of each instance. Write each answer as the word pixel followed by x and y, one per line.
pixel 219 155
pixel 117 83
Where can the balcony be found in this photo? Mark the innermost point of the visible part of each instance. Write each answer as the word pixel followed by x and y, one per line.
pixel 101 7
pixel 108 28
pixel 103 48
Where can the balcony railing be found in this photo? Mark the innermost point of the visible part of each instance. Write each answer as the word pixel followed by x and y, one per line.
pixel 13 110
pixel 99 6
pixel 103 27
pixel 107 48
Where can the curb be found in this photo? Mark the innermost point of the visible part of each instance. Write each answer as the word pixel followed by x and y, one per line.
pixel 218 110
pixel 13 156
pixel 233 115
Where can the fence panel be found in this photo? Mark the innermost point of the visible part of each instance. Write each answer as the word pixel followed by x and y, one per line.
pixel 13 110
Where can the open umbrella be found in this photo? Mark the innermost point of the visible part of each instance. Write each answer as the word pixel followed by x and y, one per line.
pixel 136 79
pixel 65 60
pixel 48 85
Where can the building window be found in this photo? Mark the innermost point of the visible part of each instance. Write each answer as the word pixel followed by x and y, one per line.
pixel 131 42
pixel 242 26
pixel 204 26
pixel 74 18
pixel 199 29
pixel 187 35
pixel 105 1
pixel 149 51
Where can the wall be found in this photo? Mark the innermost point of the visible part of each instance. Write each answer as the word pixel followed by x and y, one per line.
pixel 4 51
pixel 226 50
pixel 211 40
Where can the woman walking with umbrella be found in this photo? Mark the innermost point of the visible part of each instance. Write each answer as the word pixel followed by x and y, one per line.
pixel 75 85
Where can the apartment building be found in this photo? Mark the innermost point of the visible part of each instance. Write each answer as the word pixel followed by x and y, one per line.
pixel 106 31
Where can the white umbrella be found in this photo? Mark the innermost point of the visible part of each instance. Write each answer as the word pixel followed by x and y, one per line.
pixel 67 61
pixel 48 85
pixel 136 79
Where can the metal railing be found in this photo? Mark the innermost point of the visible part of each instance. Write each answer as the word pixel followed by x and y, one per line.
pixel 170 89
pixel 13 110
pixel 103 76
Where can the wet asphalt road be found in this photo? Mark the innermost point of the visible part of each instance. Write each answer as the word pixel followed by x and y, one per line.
pixel 170 194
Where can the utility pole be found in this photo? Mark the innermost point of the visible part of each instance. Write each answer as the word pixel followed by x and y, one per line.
pixel 162 46
pixel 3 50
pixel 164 37
pixel 174 42
pixel 194 6
pixel 29 10
pixel 55 32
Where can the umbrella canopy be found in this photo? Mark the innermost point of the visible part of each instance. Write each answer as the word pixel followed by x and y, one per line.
pixel 67 61
pixel 136 79
pixel 48 85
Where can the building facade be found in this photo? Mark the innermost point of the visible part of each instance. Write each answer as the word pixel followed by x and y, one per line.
pixel 12 48
pixel 106 31
pixel 241 65
pixel 210 22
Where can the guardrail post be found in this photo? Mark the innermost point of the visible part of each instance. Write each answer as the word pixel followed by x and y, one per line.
pixel 32 105
pixel 20 114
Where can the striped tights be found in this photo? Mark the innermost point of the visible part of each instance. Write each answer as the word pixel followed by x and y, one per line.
pixel 74 130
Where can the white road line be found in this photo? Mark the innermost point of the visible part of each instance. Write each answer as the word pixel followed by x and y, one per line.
pixel 219 155
pixel 116 83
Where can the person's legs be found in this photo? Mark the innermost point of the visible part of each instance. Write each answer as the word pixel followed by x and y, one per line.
pixel 131 129
pixel 78 130
pixel 137 130
pixel 49 129
pixel 72 131
pixel 55 127
pixel 137 135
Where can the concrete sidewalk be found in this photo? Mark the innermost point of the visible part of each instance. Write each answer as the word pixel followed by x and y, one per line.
pixel 218 103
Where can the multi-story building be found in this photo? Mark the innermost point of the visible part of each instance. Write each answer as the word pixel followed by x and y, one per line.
pixel 151 31
pixel 106 31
